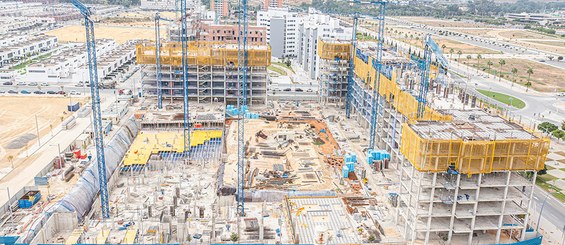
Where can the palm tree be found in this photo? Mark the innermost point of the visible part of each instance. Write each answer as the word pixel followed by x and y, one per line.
pixel 451 53
pixel 469 57
pixel 489 63
pixel 459 53
pixel 514 72
pixel 530 72
pixel 502 62
pixel 443 48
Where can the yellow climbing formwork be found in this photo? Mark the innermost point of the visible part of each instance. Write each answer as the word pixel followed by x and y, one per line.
pixel 473 157
pixel 331 50
pixel 403 101
pixel 203 53
pixel 148 143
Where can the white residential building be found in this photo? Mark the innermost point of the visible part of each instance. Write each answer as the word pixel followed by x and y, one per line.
pixel 107 63
pixel 14 48
pixel 312 28
pixel 282 30
pixel 62 65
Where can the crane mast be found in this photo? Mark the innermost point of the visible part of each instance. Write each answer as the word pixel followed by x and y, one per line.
pixel 96 111
pixel 184 44
pixel 242 60
pixel 351 67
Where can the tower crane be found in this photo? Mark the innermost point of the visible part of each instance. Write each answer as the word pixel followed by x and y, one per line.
pixel 430 46
pixel 96 112
pixel 377 63
pixel 351 67
pixel 184 45
pixel 242 60
pixel 158 74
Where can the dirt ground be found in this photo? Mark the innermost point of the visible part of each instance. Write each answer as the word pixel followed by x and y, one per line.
pixel 120 33
pixel 443 23
pixel 451 44
pixel 17 117
pixel 545 78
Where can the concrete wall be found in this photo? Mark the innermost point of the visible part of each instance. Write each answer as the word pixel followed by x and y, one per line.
pixel 277 37
pixel 57 223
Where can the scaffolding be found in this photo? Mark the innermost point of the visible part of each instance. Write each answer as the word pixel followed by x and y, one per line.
pixel 432 154
pixel 403 101
pixel 333 50
pixel 203 53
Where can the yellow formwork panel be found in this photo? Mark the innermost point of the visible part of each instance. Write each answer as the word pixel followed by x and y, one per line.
pixel 333 50
pixel 202 53
pixel 148 143
pixel 473 157
pixel 75 237
pixel 403 101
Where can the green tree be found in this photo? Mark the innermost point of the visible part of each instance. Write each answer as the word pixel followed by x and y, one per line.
pixel 547 127
pixel 530 72
pixel 558 133
pixel 479 57
pixel 489 63
pixel 234 237
pixel 563 125
pixel 501 62
pixel 514 72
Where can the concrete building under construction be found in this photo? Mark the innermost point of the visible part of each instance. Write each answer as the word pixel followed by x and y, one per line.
pixel 212 72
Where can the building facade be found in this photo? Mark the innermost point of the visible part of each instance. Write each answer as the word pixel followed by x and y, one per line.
pixel 282 31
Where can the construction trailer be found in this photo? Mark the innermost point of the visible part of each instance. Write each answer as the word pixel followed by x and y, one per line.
pixel 212 72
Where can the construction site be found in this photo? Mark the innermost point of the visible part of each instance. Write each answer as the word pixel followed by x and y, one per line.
pixel 392 150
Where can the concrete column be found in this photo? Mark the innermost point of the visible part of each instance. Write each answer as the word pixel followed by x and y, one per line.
pixel 430 209
pixel 526 219
pixel 473 220
pixel 505 196
pixel 453 208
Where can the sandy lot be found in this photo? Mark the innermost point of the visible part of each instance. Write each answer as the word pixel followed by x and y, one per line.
pixel 451 44
pixel 17 117
pixel 545 78
pixel 122 34
pixel 442 22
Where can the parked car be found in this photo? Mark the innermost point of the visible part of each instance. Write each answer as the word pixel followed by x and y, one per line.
pixel 22 83
pixel 309 90
pixel 12 91
pixel 51 92
pixel 8 83
pixel 562 94
pixel 44 84
pixel 25 92
pixel 197 236
pixel 74 92
pixel 287 89
pixel 61 92
pixel 2 92
pixel 298 90
pixel 39 92
pixel 32 84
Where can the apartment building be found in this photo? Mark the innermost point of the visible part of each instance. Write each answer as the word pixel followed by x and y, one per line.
pixel 64 63
pixel 257 35
pixel 282 30
pixel 16 24
pixel 14 48
pixel 220 7
pixel 108 63
pixel 212 73
pixel 312 28
pixel 267 4
pixel 158 5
